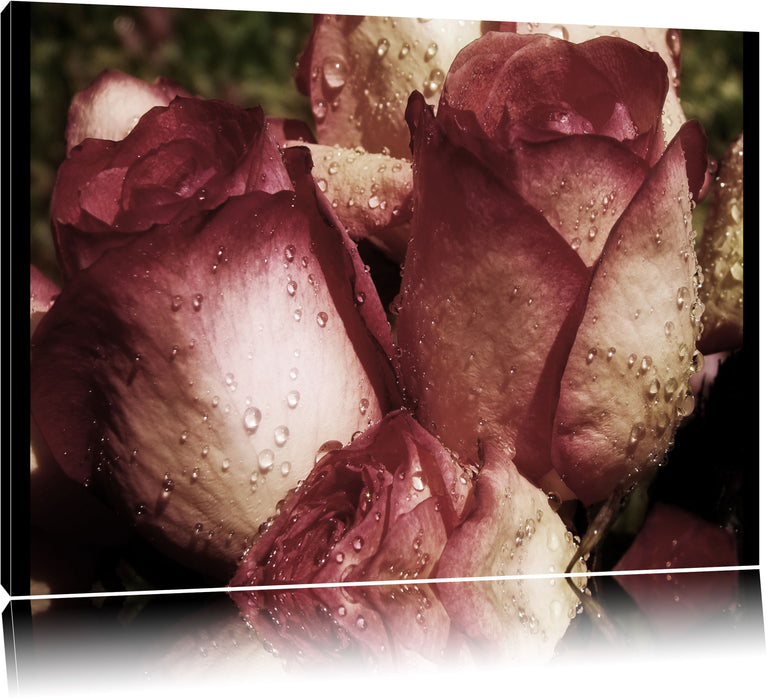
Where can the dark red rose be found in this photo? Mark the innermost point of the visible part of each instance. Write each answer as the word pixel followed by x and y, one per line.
pixel 193 373
pixel 549 301
pixel 180 160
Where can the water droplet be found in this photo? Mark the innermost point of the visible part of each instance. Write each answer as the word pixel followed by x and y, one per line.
pixel 682 296
pixel 298 313
pixel 322 318
pixel 382 47
pixel 292 399
pixel 646 363
pixel 374 202
pixel 293 373
pixel 285 468
pixel 196 302
pixel 320 108
pixel 230 381
pixel 289 253
pixel 177 302
pixel 417 481
pixel 335 72
pixel 266 460
pixel 363 406
pixel 575 243
pixel 281 435
pixel 610 353
pixel 183 437
pixel 669 328
pixel 360 623
pixel 591 355
pixel 638 431
pixel 291 287
pixel 654 388
pixel 327 447
pixel 251 419
pixel 358 544
pixel 404 50
pixel 431 51
pixel 225 464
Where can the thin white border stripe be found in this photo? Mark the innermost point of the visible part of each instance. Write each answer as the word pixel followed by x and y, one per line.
pixel 397 582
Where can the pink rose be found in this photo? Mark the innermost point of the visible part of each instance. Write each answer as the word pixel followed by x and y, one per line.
pixel 394 506
pixel 549 301
pixel 179 161
pixel 193 373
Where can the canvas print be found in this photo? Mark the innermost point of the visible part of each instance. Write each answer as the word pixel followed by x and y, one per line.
pixel 382 344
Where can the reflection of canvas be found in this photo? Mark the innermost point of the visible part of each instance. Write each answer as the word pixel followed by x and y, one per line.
pixel 421 308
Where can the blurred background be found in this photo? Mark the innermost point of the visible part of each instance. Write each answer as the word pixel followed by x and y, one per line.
pixel 248 58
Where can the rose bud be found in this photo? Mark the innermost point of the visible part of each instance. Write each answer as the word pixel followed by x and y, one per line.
pixel 178 161
pixel 111 106
pixel 394 506
pixel 549 300
pixel 675 539
pixel 666 42
pixel 193 374
pixel 721 254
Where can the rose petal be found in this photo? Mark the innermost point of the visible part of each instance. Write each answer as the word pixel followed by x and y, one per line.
pixel 534 88
pixel 666 42
pixel 111 106
pixel 673 538
pixel 359 72
pixel 151 369
pixel 581 184
pixel 371 192
pixel 721 254
pixel 625 386
pixel 511 530
pixel 480 314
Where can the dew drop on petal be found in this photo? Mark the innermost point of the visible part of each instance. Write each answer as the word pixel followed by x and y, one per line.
pixel 285 468
pixel 281 435
pixel 335 72
pixel 325 448
pixel 289 253
pixel 322 319
pixel 382 47
pixel 251 419
pixel 266 460
pixel 431 51
pixel 292 399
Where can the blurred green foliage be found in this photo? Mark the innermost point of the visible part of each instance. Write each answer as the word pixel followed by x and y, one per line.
pixel 248 58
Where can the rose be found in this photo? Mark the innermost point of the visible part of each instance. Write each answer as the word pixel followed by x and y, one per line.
pixel 379 509
pixel 193 373
pixel 548 302
pixel 179 160
pixel 393 506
